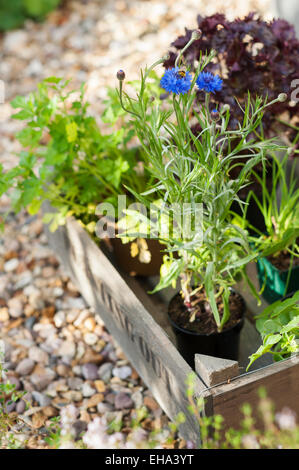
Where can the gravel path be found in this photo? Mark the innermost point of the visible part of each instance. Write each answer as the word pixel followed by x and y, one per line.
pixel 55 348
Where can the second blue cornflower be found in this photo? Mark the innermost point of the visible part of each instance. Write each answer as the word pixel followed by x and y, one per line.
pixel 208 82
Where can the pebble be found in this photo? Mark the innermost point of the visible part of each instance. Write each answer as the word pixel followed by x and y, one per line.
pixel 75 302
pixel 78 428
pixel 20 407
pixel 15 307
pixel 77 370
pixel 80 318
pixel 4 315
pixel 38 355
pixel 42 379
pixel 110 398
pixel 123 401
pixel 104 407
pixel 87 390
pixel 105 371
pixel 25 367
pixel 72 395
pixel 59 319
pixel 137 399
pixel 41 398
pixel 14 41
pixel 90 323
pixel 94 400
pixel 67 348
pixel 29 323
pixel 75 383
pixel 63 370
pixel 100 386
pixel 58 292
pixel 24 280
pixel 11 265
pixel 122 372
pixel 90 371
pixel 90 338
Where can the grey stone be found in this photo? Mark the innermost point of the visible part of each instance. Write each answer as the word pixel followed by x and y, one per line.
pixel 77 370
pixel 38 355
pixel 137 399
pixel 25 367
pixel 122 372
pixel 90 371
pixel 11 265
pixel 105 371
pixel 75 383
pixel 67 348
pixel 25 279
pixel 41 398
pixel 88 390
pixel 104 407
pixel 30 322
pixel 110 398
pixel 20 407
pixel 123 401
pixel 42 380
pixel 78 428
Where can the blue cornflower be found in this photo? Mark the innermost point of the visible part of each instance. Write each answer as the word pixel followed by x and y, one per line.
pixel 174 82
pixel 208 82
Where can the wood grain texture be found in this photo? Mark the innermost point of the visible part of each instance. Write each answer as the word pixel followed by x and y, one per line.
pixel 144 342
pixel 281 381
pixel 213 370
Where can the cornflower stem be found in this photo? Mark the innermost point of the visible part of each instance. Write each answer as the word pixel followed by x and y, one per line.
pixel 121 101
pixel 183 50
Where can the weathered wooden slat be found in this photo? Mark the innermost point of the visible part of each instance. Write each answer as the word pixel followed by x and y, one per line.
pixel 214 371
pixel 144 342
pixel 281 381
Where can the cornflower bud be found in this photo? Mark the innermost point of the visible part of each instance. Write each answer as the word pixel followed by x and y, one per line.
pixel 120 75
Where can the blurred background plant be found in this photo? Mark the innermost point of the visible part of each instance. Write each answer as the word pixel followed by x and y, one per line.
pixel 66 159
pixel 252 55
pixel 13 13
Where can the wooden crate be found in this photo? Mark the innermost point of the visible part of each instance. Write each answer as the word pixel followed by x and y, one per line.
pixel 139 324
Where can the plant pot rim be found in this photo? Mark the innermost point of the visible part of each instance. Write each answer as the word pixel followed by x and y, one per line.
pixel 194 333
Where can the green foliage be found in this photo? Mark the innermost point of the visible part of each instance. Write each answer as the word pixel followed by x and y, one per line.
pixel 8 394
pixel 66 159
pixel 13 13
pixel 280 213
pixel 278 325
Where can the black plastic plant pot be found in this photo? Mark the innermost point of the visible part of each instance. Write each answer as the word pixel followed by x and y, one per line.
pixel 224 344
pixel 275 281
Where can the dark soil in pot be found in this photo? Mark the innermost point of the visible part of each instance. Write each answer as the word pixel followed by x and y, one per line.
pixel 201 336
pixel 273 273
pixel 133 266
